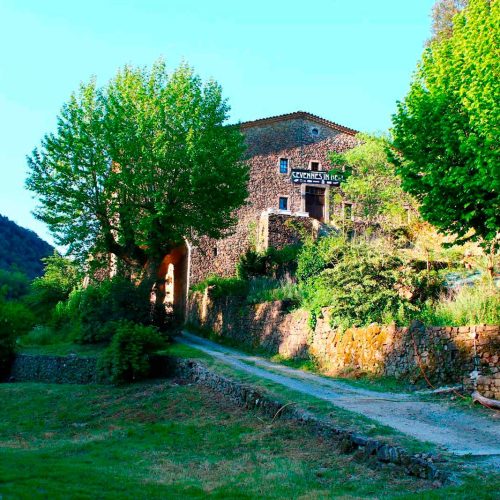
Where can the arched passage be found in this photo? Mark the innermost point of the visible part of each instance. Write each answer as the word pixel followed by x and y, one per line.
pixel 173 274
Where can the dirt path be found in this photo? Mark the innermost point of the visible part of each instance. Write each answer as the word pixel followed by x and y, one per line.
pixel 457 431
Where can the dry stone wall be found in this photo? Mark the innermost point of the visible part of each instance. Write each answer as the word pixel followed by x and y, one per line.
pixel 446 353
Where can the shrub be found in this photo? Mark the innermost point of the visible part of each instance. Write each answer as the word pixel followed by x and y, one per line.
pixel 111 300
pixel 127 357
pixel 222 287
pixel 271 263
pixel 251 263
pixel 61 276
pixel 366 286
pixel 15 320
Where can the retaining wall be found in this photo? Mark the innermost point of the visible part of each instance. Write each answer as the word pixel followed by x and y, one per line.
pixel 446 353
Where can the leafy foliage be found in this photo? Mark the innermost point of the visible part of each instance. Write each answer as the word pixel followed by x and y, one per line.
pixel 96 307
pixel 445 132
pixel 372 182
pixel 126 359
pixel 263 289
pixel 21 249
pixel 443 13
pixel 60 278
pixel 138 165
pixel 362 284
pixel 15 320
pixel 272 263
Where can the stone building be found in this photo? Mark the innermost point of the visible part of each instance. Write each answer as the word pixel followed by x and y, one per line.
pixel 288 160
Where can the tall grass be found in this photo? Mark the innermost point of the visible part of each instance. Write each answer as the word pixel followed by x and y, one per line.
pixel 471 305
pixel 269 290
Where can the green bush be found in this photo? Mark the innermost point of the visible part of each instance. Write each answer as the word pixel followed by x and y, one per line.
pixel 61 276
pixel 364 285
pixel 470 305
pixel 111 300
pixel 222 287
pixel 15 320
pixel 271 263
pixel 314 257
pixel 251 263
pixel 126 359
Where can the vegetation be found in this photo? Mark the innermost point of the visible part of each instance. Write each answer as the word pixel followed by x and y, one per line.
pixel 60 278
pixel 363 285
pixel 371 182
pixel 127 357
pixel 443 13
pixel 15 320
pixel 164 440
pixel 445 132
pixel 273 262
pixel 269 289
pixel 222 287
pixel 153 163
pixel 21 250
pixel 470 305
pixel 13 284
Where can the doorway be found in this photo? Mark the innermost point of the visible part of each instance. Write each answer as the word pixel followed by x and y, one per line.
pixel 315 202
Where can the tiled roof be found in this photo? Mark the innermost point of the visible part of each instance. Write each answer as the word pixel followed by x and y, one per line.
pixel 298 115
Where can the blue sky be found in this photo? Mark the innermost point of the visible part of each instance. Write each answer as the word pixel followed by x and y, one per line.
pixel 345 61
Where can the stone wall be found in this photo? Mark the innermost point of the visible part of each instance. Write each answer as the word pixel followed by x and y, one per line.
pixel 70 369
pixel 446 353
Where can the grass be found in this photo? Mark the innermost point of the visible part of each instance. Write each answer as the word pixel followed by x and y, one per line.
pixel 268 290
pixel 471 305
pixel 162 440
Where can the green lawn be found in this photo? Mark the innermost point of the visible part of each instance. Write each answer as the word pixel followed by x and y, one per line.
pixel 162 440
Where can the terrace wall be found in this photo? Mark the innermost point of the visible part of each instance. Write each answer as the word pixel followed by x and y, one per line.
pixel 446 353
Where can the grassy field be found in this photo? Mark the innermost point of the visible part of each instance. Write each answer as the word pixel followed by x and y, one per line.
pixel 159 440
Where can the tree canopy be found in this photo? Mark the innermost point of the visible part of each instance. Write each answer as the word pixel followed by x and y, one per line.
pixel 443 13
pixel 140 164
pixel 372 182
pixel 446 131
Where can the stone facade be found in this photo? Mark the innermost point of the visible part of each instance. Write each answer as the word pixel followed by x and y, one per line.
pixel 301 138
pixel 446 353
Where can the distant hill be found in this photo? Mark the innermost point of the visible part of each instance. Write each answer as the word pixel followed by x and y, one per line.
pixel 22 248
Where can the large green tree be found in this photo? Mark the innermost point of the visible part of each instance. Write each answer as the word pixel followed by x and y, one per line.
pixel 446 131
pixel 139 165
pixel 372 183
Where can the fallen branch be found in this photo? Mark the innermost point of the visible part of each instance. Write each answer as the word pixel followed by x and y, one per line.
pixel 489 403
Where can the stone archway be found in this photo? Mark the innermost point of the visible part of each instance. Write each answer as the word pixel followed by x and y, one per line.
pixel 173 274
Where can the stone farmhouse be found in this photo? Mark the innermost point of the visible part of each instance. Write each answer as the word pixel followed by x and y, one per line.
pixel 288 159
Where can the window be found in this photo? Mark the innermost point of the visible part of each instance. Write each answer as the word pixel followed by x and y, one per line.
pixel 314 132
pixel 315 166
pixel 215 251
pixel 283 203
pixel 283 165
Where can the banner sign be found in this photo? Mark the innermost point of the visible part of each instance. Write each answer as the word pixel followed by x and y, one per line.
pixel 300 176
